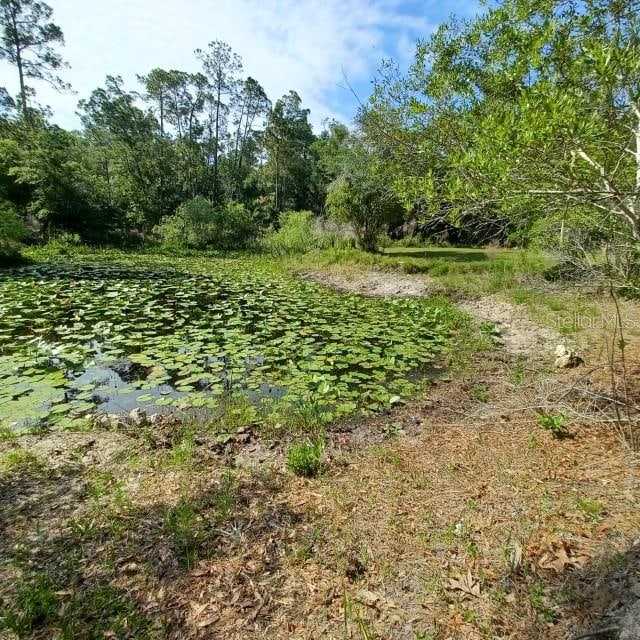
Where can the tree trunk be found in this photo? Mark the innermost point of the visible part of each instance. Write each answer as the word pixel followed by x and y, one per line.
pixel 215 147
pixel 161 115
pixel 23 88
pixel 277 201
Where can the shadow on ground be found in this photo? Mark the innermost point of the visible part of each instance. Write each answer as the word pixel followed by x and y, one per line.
pixel 600 600
pixel 84 562
pixel 455 255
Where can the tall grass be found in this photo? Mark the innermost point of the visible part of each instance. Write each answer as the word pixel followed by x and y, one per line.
pixel 300 232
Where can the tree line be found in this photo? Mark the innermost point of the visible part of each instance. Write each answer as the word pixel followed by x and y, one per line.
pixel 520 125
pixel 182 153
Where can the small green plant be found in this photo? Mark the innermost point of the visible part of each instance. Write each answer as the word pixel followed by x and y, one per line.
pixel 532 442
pixel 471 548
pixel 100 485
pixel 517 373
pixel 6 433
pixel 224 499
pixel 182 452
pixel 555 423
pixel 426 635
pixel 83 528
pixel 479 393
pixel 309 416
pixel 387 455
pixel 468 615
pixel 592 509
pixel 305 457
pixel 34 603
pixel 351 613
pixel 182 525
pixel 490 328
pixel 419 480
pixel 20 460
pixel 448 535
pixel 394 430
pixel 536 598
pixel 521 295
pixel 498 594
pixel 233 413
pixel 301 553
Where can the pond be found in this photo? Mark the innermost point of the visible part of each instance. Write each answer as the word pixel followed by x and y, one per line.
pixel 115 333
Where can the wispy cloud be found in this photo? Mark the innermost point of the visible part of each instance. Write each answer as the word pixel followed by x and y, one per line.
pixel 285 44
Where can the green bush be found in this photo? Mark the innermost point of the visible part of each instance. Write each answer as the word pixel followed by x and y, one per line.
pixel 234 227
pixel 12 232
pixel 411 241
pixel 297 234
pixel 64 244
pixel 305 457
pixel 198 224
pixel 363 201
pixel 190 226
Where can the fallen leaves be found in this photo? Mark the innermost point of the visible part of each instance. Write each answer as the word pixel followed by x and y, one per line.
pixel 561 554
pixel 466 583
pixel 514 556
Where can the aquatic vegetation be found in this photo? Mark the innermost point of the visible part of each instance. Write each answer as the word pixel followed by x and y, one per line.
pixel 115 333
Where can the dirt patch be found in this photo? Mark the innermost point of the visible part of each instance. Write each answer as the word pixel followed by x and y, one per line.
pixel 377 284
pixel 519 334
pixel 95 449
pixel 514 329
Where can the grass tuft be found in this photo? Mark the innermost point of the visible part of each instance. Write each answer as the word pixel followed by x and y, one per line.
pixel 305 458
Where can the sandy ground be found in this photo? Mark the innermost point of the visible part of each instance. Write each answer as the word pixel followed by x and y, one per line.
pixel 383 284
pixel 517 332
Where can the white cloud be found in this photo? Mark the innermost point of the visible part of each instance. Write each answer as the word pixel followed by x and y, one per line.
pixel 285 44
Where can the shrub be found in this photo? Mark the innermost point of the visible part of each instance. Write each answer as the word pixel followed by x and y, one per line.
pixel 235 227
pixel 555 423
pixel 12 231
pixel 198 224
pixel 297 234
pixel 190 226
pixel 304 457
pixel 366 204
pixel 64 244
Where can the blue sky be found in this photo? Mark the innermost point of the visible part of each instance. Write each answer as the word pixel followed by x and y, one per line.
pixel 285 44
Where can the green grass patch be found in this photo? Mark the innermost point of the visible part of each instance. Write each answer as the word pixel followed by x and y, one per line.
pixel 38 605
pixel 461 270
pixel 305 457
pixel 21 460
